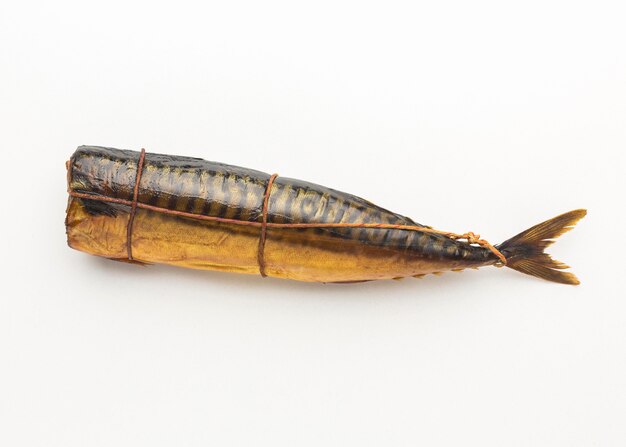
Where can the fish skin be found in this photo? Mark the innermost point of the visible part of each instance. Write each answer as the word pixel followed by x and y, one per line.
pixel 216 189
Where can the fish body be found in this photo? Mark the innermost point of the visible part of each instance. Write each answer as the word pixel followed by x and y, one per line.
pixel 177 196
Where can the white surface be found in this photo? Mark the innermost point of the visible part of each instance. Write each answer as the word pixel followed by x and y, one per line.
pixel 482 116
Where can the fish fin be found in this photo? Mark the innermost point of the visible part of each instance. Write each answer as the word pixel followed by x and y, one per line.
pixel 130 261
pixel 525 252
pixel 348 282
pixel 97 208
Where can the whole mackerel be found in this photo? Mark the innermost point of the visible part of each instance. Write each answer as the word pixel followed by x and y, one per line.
pixel 200 214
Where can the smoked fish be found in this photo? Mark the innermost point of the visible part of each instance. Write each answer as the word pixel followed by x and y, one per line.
pixel 149 208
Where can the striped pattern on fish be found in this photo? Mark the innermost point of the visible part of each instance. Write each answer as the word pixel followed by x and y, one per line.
pixel 204 188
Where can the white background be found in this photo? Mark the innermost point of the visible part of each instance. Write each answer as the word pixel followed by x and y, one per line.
pixel 482 116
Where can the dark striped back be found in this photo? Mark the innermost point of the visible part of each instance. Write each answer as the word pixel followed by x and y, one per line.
pixel 177 183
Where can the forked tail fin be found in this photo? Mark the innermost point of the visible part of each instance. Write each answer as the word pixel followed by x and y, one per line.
pixel 525 252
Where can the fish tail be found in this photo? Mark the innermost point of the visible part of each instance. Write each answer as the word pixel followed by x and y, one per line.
pixel 525 252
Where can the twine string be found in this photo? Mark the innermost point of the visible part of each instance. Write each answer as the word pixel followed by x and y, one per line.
pixel 263 237
pixel 133 205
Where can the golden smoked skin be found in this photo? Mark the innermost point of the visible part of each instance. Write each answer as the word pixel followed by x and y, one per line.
pixel 293 254
pixel 207 215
